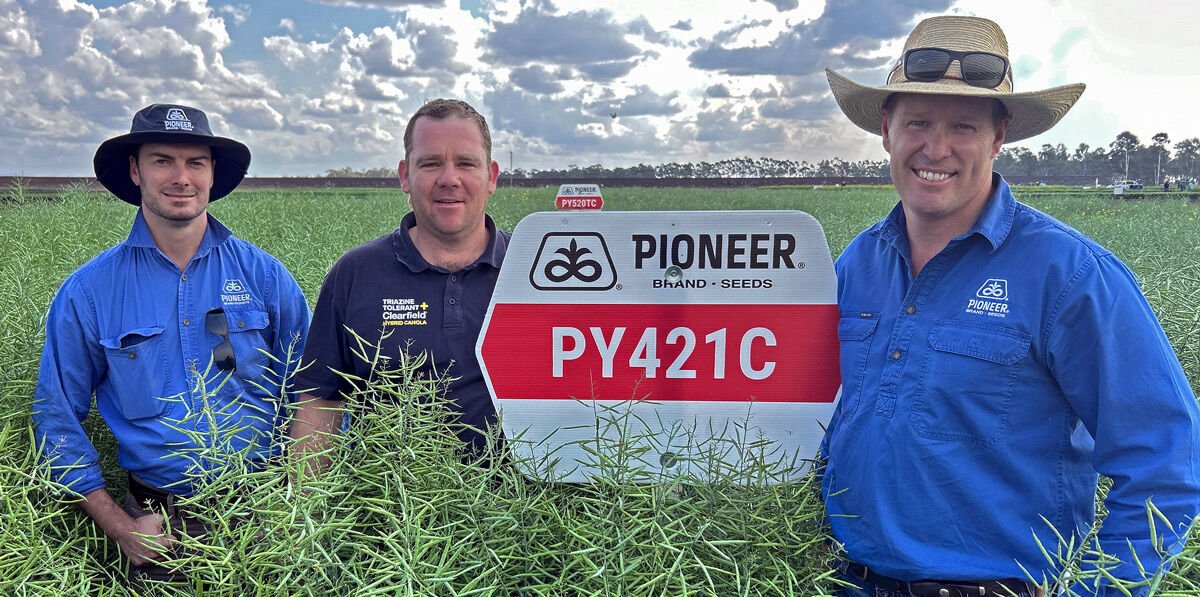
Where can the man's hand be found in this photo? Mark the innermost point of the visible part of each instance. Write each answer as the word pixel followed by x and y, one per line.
pixel 141 539
pixel 145 542
pixel 313 423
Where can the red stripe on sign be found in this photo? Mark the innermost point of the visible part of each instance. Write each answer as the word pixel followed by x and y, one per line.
pixel 581 202
pixel 695 352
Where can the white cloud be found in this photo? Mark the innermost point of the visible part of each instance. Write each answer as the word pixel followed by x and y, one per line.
pixel 312 87
pixel 255 114
pixel 382 52
pixel 295 54
pixel 190 20
pixel 333 105
pixel 158 53
pixel 16 33
pixel 390 4
pixel 238 14
pixel 377 89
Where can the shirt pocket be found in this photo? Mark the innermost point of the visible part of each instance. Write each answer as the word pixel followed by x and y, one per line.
pixel 244 407
pixel 855 333
pixel 248 335
pixel 967 382
pixel 136 370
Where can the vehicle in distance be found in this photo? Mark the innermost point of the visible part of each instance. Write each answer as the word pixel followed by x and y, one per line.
pixel 1132 185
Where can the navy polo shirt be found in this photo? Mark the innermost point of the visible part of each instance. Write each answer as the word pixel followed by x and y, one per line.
pixel 387 293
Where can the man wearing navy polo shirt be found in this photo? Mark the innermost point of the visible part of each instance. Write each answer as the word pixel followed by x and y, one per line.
pixel 422 289
pixel 994 361
pixel 183 332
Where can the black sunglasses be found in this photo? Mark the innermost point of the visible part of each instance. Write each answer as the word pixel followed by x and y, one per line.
pixel 979 69
pixel 218 325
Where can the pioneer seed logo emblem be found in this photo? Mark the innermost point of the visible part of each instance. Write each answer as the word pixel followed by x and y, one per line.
pixel 991 299
pixel 233 292
pixel 177 121
pixel 573 261
pixel 574 264
pixel 993 289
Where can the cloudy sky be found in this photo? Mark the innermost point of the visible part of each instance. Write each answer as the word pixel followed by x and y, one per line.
pixel 311 85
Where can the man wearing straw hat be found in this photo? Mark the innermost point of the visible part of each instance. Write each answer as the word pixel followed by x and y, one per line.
pixel 183 332
pixel 994 360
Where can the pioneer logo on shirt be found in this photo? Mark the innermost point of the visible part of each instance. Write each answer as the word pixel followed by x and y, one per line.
pixel 991 299
pixel 233 292
pixel 404 311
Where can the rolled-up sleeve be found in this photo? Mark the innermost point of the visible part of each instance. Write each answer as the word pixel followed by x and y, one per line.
pixel 72 365
pixel 1121 376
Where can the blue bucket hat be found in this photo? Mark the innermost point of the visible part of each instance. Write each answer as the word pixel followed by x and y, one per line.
pixel 169 123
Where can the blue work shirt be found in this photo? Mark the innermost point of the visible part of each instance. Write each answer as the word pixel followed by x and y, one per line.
pixel 129 326
pixel 985 393
pixel 389 296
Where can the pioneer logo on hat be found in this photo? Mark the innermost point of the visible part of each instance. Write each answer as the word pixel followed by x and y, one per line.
pixel 177 121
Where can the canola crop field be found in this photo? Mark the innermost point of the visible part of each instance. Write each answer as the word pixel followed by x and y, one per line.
pixel 399 514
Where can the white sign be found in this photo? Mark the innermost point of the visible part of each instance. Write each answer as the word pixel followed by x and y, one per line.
pixel 579 196
pixel 699 333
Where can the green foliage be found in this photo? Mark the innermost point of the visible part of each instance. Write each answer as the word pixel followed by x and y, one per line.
pixel 18 192
pixel 400 512
pixel 348 172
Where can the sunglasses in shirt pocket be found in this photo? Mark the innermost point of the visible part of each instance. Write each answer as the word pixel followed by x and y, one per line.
pixel 136 370
pixel 248 335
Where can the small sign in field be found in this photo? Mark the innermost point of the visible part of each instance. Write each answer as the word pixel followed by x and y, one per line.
pixel 707 331
pixel 579 196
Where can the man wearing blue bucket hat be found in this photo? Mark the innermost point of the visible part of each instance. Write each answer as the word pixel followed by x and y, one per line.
pixel 184 333
pixel 995 362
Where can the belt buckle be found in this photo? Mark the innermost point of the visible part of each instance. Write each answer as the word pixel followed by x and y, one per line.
pixel 933 588
pixel 951 589
pixel 149 495
pixel 853 569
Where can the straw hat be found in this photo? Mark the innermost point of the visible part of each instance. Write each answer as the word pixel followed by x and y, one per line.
pixel 1031 113
pixel 169 123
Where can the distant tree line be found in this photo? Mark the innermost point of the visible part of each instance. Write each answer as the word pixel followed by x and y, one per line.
pixel 739 167
pixel 349 172
pixel 1125 157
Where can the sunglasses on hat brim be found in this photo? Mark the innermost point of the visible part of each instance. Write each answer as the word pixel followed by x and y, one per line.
pixel 979 69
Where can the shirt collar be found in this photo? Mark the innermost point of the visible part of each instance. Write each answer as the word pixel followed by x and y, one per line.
pixel 994 223
pixel 214 234
pixel 407 253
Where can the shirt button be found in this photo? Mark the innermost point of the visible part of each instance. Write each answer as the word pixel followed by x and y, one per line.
pixel 183 277
pixel 133 355
pixel 911 309
pixel 187 322
pixel 896 355
pixel 241 324
pixel 453 278
pixel 453 301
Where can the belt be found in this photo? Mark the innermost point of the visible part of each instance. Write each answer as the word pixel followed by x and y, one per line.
pixel 144 492
pixel 937 588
